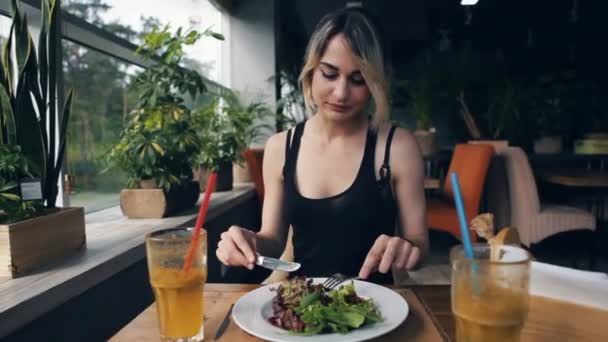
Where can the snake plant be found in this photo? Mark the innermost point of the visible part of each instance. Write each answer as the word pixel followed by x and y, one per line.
pixel 28 97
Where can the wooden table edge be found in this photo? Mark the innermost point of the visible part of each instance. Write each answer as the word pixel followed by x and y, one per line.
pixel 438 325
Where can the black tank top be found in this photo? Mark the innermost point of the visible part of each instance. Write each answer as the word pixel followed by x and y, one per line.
pixel 334 234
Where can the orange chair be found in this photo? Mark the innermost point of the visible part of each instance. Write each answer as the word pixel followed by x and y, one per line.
pixel 255 158
pixel 471 163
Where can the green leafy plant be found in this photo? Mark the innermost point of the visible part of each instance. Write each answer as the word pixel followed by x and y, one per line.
pixel 166 81
pixel 13 166
pixel 249 120
pixel 227 127
pixel 419 98
pixel 159 141
pixel 291 109
pixel 158 144
pixel 550 101
pixel 28 99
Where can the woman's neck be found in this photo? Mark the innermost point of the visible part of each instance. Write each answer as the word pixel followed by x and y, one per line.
pixel 329 130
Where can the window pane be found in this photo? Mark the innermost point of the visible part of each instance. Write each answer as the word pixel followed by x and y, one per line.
pixel 101 101
pixel 5 27
pixel 129 19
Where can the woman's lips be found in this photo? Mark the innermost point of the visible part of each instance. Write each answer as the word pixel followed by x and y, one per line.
pixel 338 108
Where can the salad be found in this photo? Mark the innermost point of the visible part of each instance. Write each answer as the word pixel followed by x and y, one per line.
pixel 307 309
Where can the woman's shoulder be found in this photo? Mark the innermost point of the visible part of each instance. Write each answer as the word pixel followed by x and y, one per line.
pixel 405 154
pixel 277 141
pixel 402 140
pixel 276 146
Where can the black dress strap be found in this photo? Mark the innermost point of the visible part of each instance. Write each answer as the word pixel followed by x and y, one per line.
pixel 291 146
pixel 385 169
pixel 287 144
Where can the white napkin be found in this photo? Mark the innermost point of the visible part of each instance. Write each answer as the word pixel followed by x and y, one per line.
pixel 569 285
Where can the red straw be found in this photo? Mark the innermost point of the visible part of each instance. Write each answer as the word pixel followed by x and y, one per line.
pixel 199 222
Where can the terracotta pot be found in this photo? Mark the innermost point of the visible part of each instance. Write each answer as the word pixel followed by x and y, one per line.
pixel 68 184
pixel 548 145
pixel 147 183
pixel 241 173
pixel 427 141
pixel 255 158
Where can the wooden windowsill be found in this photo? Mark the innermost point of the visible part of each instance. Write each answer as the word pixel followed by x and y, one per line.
pixel 113 244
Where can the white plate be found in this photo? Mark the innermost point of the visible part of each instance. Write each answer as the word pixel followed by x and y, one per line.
pixel 251 313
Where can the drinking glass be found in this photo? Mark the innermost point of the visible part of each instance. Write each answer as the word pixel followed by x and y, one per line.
pixel 178 293
pixel 490 297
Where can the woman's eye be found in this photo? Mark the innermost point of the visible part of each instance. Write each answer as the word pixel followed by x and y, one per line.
pixel 358 80
pixel 329 75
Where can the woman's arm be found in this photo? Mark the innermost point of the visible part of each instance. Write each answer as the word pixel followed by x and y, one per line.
pixel 273 234
pixel 407 176
pixel 407 168
pixel 238 245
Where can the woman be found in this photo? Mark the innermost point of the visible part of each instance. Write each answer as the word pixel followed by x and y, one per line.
pixel 343 178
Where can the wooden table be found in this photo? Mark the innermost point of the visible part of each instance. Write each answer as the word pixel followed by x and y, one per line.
pixel 548 320
pixel 591 183
pixel 577 178
pixel 431 183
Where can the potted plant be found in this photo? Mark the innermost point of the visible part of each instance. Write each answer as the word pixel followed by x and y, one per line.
pixel 419 95
pixel 548 106
pixel 226 128
pixel 420 106
pixel 291 109
pixel 495 124
pixel 159 143
pixel 32 146
pixel 252 123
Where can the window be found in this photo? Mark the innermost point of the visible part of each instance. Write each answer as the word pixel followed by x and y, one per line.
pixel 100 38
pixel 5 27
pixel 102 100
pixel 129 19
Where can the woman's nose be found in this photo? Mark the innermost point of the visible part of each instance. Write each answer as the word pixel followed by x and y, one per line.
pixel 341 90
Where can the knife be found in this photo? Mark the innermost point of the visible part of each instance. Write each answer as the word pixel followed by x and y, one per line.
pixel 224 324
pixel 276 264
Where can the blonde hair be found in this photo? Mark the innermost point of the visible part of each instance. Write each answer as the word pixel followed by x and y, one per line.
pixel 364 38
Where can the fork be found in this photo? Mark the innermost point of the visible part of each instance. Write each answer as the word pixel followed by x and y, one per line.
pixel 336 279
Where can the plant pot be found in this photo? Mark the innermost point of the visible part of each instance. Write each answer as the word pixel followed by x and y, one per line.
pixel 68 184
pixel 156 203
pixel 499 145
pixel 548 145
pixel 592 144
pixel 254 158
pixel 224 178
pixel 241 173
pixel 29 244
pixel 149 183
pixel 427 141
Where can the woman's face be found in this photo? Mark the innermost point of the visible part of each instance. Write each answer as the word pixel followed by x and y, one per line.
pixel 338 87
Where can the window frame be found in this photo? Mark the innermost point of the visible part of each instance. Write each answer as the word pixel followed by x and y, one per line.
pixel 81 32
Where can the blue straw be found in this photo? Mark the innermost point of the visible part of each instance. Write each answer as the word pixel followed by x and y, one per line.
pixel 462 219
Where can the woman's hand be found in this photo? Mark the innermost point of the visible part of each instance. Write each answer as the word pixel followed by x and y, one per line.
pixel 237 247
pixel 389 251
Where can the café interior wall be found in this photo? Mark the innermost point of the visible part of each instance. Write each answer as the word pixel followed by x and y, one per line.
pixel 252 53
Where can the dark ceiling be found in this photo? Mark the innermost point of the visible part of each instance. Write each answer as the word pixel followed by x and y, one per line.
pixel 553 27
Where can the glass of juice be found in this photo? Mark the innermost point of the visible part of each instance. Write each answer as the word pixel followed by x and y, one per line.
pixel 490 297
pixel 178 294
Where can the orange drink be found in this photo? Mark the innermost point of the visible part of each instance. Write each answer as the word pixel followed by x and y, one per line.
pixel 490 297
pixel 178 293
